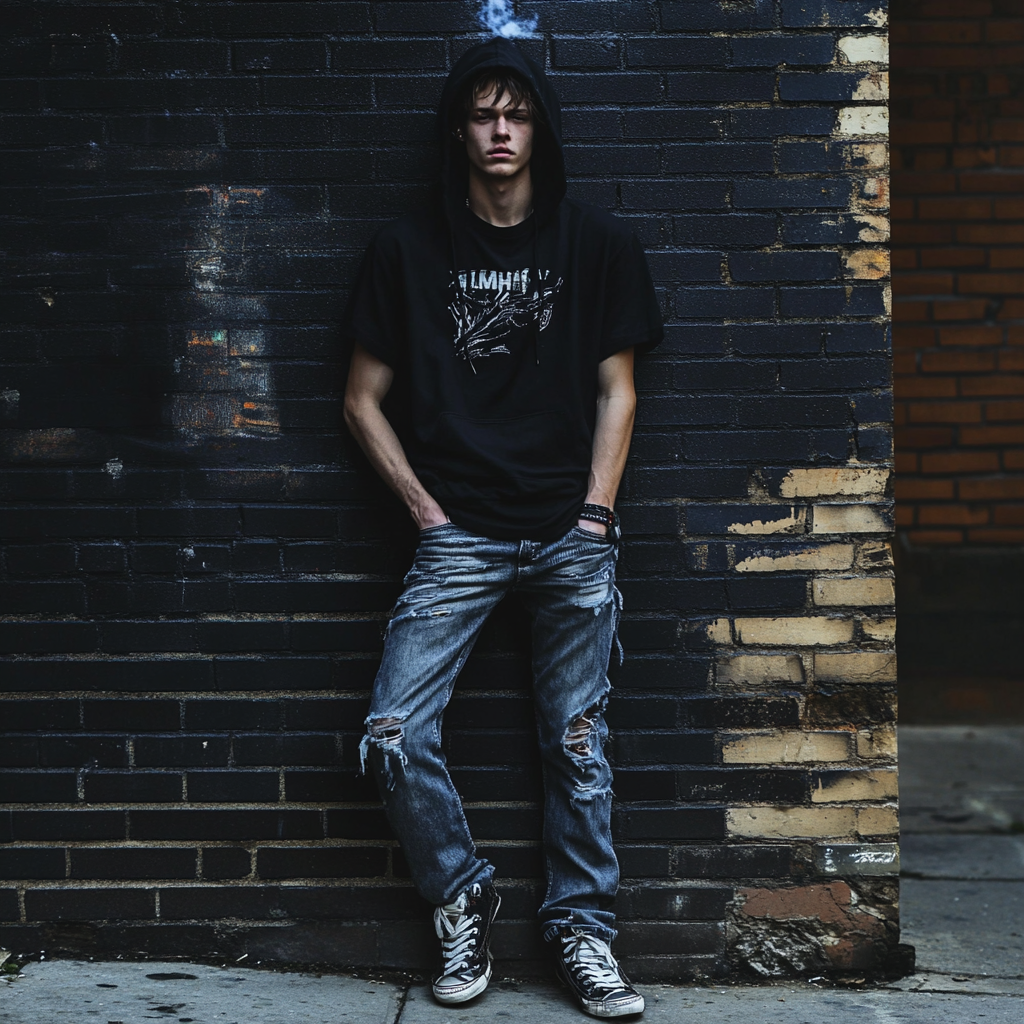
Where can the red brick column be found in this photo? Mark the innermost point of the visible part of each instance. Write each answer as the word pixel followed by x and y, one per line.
pixel 958 269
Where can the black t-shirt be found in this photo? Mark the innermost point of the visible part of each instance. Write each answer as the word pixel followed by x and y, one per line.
pixel 496 415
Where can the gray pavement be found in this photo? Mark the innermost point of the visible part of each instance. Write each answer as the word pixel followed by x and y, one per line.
pixel 962 859
pixel 962 906
pixel 132 993
pixel 961 780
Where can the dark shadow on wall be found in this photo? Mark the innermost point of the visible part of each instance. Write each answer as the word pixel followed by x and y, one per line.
pixel 960 620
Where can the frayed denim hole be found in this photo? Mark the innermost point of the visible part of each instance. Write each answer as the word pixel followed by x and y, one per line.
pixel 582 744
pixel 387 736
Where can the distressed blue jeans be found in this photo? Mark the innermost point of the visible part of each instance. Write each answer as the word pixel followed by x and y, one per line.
pixel 568 587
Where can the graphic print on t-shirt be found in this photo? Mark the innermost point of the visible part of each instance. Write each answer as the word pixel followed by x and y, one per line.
pixel 488 304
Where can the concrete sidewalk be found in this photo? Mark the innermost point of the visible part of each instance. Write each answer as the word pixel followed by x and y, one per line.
pixel 120 993
pixel 962 794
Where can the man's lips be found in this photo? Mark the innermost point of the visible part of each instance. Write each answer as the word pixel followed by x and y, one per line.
pixel 499 152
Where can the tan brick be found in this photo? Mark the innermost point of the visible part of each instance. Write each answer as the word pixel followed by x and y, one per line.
pixel 836 787
pixel 792 822
pixel 858 667
pixel 878 821
pixel 804 631
pixel 854 591
pixel 822 556
pixel 849 519
pixel 789 746
pixel 867 264
pixel 874 554
pixel 789 520
pixel 879 629
pixel 761 668
pixel 877 743
pixel 810 483
pixel 719 631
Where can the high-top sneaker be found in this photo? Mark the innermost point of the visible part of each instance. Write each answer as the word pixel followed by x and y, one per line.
pixel 584 962
pixel 464 928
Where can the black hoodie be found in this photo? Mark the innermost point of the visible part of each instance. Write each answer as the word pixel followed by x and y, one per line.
pixel 495 390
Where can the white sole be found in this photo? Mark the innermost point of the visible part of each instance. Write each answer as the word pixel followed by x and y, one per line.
pixel 630 1009
pixel 447 997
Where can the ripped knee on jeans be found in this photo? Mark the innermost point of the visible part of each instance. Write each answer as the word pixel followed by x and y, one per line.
pixel 578 735
pixel 386 734
pixel 580 742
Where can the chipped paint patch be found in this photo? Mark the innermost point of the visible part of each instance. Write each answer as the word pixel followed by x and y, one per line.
pixel 803 483
pixel 719 631
pixel 874 227
pixel 823 556
pixel 867 264
pixel 873 86
pixel 224 384
pixel 875 554
pixel 794 522
pixel 865 49
pixel 878 17
pixel 861 155
pixel 859 518
pixel 872 194
pixel 863 121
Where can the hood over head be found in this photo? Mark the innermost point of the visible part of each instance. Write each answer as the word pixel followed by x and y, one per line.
pixel 547 165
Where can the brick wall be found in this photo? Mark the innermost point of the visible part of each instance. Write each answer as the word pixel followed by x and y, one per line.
pixel 958 257
pixel 197 563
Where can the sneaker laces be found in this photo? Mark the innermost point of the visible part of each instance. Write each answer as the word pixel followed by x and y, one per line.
pixel 592 960
pixel 457 931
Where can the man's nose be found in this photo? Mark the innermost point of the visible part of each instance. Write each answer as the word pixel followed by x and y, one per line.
pixel 501 127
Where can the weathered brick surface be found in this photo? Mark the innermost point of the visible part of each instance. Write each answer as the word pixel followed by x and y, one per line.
pixel 958 262
pixel 197 563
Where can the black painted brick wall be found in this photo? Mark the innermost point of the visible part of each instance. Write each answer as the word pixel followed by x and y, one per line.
pixel 197 564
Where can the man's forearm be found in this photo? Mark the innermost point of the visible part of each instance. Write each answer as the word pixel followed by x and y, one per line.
pixel 377 438
pixel 612 433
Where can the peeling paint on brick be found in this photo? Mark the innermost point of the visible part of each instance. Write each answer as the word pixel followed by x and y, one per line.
pixel 228 393
pixel 793 522
pixel 865 49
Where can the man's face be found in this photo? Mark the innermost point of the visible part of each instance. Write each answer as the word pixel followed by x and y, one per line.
pixel 499 138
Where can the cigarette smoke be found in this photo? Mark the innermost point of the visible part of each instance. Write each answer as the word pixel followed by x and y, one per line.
pixel 498 17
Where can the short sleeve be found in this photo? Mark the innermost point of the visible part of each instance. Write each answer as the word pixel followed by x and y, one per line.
pixel 631 315
pixel 375 318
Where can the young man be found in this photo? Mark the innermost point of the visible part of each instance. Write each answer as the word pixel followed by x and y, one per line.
pixel 503 325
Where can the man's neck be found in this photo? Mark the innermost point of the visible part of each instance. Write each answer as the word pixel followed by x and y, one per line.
pixel 503 202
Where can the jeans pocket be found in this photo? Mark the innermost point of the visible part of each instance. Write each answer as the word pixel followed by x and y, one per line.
pixel 597 538
pixel 440 526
